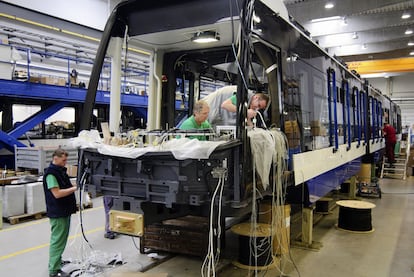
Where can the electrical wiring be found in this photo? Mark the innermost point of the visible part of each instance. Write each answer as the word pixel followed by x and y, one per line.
pixel 209 263
pixel 82 188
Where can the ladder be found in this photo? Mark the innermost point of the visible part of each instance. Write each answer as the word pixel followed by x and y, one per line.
pixel 399 169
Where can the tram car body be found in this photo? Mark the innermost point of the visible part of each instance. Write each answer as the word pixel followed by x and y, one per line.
pixel 332 119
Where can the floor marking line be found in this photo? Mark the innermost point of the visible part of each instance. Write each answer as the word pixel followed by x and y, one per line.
pixel 72 237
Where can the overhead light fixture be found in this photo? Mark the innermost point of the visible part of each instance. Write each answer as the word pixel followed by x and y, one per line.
pixel 405 15
pixel 354 35
pixel 205 37
pixel 364 46
pixel 329 5
pixel 326 19
pixel 408 32
pixel 412 53
pixel 410 43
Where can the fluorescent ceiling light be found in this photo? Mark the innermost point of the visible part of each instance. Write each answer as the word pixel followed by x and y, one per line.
pixel 412 53
pixel 205 37
pixel 408 32
pixel 410 43
pixel 405 15
pixel 337 17
pixel 329 5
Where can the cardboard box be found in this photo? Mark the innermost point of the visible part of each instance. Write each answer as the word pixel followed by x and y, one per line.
pixel 318 131
pixel 34 79
pixel 61 82
pixel 315 123
pixel 48 80
pixel 72 170
pixel 291 126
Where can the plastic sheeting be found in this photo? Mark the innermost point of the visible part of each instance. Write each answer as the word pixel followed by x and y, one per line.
pixel 181 149
pixel 265 148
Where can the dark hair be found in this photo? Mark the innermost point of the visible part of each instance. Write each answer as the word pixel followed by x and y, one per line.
pixel 60 152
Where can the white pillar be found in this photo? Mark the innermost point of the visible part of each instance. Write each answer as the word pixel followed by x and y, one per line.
pixel 155 90
pixel 115 95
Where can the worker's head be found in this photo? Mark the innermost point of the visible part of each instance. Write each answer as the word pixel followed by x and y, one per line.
pixel 60 156
pixel 259 101
pixel 200 111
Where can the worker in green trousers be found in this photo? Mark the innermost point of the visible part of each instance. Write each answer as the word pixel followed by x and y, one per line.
pixel 60 205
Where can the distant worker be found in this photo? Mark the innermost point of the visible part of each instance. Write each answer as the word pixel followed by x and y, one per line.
pixel 257 101
pixel 198 120
pixel 60 205
pixel 389 134
pixel 108 202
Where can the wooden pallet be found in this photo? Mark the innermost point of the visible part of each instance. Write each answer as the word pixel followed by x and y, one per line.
pixel 24 217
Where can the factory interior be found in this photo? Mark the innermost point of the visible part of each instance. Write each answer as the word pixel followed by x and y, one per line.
pixel 207 138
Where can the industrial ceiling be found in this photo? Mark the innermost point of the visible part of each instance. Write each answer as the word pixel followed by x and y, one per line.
pixel 355 30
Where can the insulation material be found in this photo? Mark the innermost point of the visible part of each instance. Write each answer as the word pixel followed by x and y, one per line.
pixel 263 150
pixel 181 149
pixel 35 198
pixel 13 200
pixel 268 147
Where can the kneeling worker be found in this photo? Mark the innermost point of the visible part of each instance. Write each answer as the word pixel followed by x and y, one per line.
pixel 198 120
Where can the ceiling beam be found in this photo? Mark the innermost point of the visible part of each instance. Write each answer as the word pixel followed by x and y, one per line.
pixel 379 66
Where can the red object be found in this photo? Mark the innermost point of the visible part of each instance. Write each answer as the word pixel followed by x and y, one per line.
pixel 390 141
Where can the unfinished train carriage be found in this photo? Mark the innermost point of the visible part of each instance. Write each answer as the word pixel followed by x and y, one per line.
pixel 331 118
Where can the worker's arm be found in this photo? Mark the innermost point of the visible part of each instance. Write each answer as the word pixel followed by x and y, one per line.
pixel 229 106
pixel 57 192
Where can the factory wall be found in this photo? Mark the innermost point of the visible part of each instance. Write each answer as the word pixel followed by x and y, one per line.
pixel 90 13
pixel 401 89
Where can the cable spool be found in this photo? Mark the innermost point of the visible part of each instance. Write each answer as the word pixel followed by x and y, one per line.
pixel 281 221
pixel 261 235
pixel 355 215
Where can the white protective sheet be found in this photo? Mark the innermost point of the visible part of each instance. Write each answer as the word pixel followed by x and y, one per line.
pixel 264 150
pixel 181 149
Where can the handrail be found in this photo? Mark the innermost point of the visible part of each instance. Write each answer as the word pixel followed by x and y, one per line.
pixel 358 112
pixel 348 110
pixel 373 116
pixel 332 90
pixel 58 69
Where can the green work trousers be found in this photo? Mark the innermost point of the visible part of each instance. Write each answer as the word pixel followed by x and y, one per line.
pixel 59 228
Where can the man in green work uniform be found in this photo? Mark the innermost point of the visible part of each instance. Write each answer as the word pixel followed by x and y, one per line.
pixel 60 205
pixel 198 120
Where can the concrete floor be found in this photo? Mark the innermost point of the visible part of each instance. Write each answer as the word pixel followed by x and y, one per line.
pixel 388 251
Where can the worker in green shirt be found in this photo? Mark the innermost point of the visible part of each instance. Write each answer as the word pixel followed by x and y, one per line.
pixel 198 120
pixel 258 101
pixel 60 205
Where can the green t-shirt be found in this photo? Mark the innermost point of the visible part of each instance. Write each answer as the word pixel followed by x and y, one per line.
pixel 233 99
pixel 190 124
pixel 51 181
